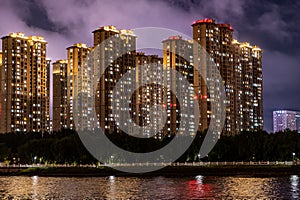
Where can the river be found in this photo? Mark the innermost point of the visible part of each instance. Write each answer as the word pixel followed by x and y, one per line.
pixel 198 187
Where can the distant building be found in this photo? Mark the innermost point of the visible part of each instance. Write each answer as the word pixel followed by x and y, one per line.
pixel 24 86
pixel 286 119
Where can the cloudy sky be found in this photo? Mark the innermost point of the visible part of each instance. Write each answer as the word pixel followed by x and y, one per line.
pixel 271 24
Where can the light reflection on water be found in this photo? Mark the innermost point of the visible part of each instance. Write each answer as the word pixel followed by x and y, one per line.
pixel 199 187
pixel 294 186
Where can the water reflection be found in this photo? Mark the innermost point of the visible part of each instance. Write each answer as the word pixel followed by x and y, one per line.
pixel 121 188
pixel 34 186
pixel 294 186
pixel 199 187
pixel 112 187
pixel 249 188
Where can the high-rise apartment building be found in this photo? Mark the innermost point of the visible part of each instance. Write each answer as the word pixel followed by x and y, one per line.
pixel 286 119
pixel 240 66
pixel 115 51
pixel 76 56
pixel 65 74
pixel 24 93
pixel 258 112
pixel 149 69
pixel 252 99
pixel 60 94
pixel 177 55
pixel 216 39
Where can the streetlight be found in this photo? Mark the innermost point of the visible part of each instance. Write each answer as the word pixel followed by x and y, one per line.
pixel 112 159
pixel 294 156
pixel 199 156
pixel 34 159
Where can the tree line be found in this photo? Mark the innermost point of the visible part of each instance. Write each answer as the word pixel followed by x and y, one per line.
pixel 65 147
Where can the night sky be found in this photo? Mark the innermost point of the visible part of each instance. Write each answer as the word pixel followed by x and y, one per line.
pixel 274 25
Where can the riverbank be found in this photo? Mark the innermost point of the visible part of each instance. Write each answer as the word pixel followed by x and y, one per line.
pixel 172 171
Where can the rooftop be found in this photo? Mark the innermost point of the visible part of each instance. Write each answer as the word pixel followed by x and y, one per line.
pixel 114 29
pixel 107 28
pixel 206 20
pixel 79 45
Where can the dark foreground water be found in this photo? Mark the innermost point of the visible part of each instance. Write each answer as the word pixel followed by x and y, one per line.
pixel 199 187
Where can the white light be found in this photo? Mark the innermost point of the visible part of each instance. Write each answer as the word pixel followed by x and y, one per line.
pixel 199 179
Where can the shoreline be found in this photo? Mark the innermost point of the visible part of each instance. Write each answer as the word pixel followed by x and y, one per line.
pixel 168 171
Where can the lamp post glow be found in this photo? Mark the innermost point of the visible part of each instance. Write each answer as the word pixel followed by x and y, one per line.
pixel 294 156
pixel 34 159
pixel 112 159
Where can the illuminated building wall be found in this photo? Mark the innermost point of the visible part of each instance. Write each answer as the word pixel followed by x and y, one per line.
pixel 149 69
pixel 60 100
pixel 65 74
pixel 76 56
pixel 238 85
pixel 48 109
pixel 258 123
pixel 83 90
pixel 216 39
pixel 240 65
pixel 24 79
pixel 250 86
pixel 116 52
pixel 286 119
pixel 177 55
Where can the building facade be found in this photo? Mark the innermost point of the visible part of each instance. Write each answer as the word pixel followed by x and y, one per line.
pixel 240 66
pixel 76 56
pixel 65 74
pixel 24 80
pixel 48 105
pixel 286 119
pixel 149 69
pixel 116 52
pixel 60 94
pixel 177 55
